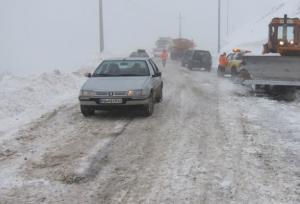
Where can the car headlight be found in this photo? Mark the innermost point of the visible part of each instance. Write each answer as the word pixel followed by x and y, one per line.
pixel 292 42
pixel 87 93
pixel 281 43
pixel 137 93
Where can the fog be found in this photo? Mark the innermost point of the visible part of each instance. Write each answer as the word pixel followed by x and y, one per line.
pixel 43 35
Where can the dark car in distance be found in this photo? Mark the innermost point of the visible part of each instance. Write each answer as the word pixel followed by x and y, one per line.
pixel 139 53
pixel 197 59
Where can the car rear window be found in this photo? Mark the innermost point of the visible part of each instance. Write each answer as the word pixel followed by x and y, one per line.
pixel 117 68
pixel 202 53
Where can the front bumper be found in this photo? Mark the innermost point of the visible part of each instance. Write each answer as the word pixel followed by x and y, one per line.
pixel 85 101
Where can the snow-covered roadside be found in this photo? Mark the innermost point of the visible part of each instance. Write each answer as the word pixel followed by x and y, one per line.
pixel 267 144
pixel 23 99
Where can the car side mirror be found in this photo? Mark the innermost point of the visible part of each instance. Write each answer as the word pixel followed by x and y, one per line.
pixel 89 75
pixel 157 74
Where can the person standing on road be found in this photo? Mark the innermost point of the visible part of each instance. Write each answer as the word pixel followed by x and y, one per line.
pixel 222 64
pixel 164 57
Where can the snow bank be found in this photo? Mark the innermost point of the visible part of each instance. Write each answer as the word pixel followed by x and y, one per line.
pixel 25 98
pixel 253 35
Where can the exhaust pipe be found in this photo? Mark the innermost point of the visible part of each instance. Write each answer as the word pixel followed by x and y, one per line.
pixel 285 27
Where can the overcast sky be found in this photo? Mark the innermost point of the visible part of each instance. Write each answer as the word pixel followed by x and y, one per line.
pixel 42 35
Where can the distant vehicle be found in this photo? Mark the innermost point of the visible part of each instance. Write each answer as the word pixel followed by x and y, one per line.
pixel 139 53
pixel 163 43
pixel 157 52
pixel 197 59
pixel 130 82
pixel 179 47
pixel 235 61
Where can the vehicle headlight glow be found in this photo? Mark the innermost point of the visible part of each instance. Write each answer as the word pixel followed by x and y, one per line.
pixel 292 42
pixel 281 43
pixel 137 93
pixel 88 93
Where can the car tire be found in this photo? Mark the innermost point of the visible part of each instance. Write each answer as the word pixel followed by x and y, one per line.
pixel 234 71
pixel 149 108
pixel 159 99
pixel 87 111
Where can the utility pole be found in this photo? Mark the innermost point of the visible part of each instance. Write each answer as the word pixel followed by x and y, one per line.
pixel 228 5
pixel 219 26
pixel 180 26
pixel 101 27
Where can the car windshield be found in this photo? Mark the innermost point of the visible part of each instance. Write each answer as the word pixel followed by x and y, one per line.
pixel 119 68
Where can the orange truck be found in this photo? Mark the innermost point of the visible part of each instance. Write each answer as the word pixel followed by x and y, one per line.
pixel 180 46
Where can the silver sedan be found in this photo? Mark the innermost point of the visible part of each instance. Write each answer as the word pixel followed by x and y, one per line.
pixel 122 83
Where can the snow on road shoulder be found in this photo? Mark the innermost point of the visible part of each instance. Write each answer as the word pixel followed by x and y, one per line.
pixel 23 99
pixel 269 145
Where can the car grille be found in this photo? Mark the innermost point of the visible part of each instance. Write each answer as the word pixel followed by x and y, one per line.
pixel 111 93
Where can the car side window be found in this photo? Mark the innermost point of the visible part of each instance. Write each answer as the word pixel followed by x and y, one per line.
pixel 155 68
pixel 152 67
pixel 197 55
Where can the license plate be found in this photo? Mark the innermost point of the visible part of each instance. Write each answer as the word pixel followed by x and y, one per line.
pixel 111 101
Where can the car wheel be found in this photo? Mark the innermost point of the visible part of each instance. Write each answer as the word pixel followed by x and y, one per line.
pixel 149 108
pixel 87 111
pixel 159 99
pixel 234 72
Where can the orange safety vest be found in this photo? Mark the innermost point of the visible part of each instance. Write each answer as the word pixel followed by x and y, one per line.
pixel 223 61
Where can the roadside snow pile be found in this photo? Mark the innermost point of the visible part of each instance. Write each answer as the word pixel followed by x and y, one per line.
pixel 25 98
pixel 253 35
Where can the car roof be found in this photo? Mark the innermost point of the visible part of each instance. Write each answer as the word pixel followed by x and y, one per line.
pixel 128 59
pixel 201 51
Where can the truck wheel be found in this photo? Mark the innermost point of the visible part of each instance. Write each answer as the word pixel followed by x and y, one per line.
pixel 149 108
pixel 87 111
